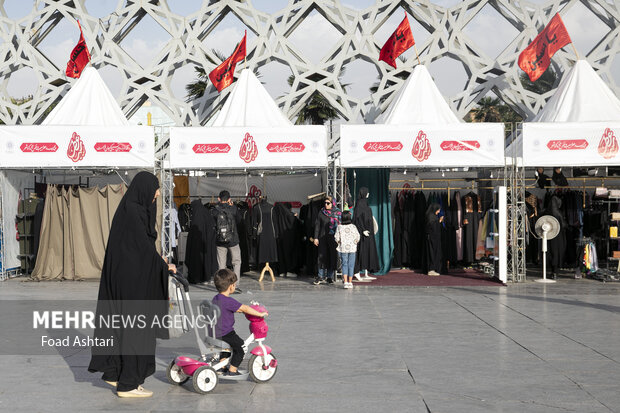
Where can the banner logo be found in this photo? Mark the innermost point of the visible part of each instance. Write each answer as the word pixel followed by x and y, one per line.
pixel 76 149
pixel 39 147
pixel 286 147
pixel 383 146
pixel 608 146
pixel 421 147
pixel 459 145
pixel 248 151
pixel 567 144
pixel 112 147
pixel 211 148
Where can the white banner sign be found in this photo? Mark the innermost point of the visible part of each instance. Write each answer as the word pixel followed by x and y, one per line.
pixel 571 144
pixel 76 146
pixel 464 144
pixel 248 147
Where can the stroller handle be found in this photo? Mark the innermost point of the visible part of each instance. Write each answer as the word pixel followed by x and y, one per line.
pixel 180 278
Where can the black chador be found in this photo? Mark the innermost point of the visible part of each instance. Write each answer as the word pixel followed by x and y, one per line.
pixel 556 247
pixel 471 219
pixel 366 257
pixel 132 270
pixel 201 253
pixel 262 222
pixel 287 226
pixel 397 261
pixel 433 239
pixel 418 236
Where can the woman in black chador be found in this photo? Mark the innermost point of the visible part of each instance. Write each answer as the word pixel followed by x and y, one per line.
pixel 433 239
pixel 366 257
pixel 201 255
pixel 133 274
pixel 557 246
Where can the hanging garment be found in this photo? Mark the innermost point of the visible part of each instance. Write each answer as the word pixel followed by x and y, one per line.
pixel 176 227
pixel 287 227
pixel 201 250
pixel 366 257
pixel 556 247
pixel 456 202
pixel 433 239
pixel 397 261
pixel 263 224
pixel 418 254
pixel 471 219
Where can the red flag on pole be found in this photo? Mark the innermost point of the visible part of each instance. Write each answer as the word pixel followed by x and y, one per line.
pixel 397 43
pixel 222 76
pixel 535 59
pixel 80 56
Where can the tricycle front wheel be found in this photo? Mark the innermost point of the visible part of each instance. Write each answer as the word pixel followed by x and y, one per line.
pixel 262 373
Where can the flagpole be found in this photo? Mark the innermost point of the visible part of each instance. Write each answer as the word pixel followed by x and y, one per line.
pixel 416 53
pixel 575 49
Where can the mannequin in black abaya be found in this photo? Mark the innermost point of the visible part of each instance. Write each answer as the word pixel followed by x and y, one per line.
pixel 433 239
pixel 262 217
pixel 133 274
pixel 471 219
pixel 556 247
pixel 201 254
pixel 366 257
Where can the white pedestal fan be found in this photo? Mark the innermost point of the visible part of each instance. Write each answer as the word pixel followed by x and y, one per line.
pixel 547 227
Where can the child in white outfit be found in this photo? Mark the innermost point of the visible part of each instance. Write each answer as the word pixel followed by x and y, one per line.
pixel 347 236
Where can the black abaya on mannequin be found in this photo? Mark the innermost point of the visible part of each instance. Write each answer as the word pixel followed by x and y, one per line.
pixel 201 254
pixel 287 226
pixel 471 219
pixel 133 272
pixel 433 239
pixel 366 257
pixel 262 215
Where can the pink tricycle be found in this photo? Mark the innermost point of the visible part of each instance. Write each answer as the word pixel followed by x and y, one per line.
pixel 206 371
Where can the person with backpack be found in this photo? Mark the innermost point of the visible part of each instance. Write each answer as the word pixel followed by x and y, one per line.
pixel 226 217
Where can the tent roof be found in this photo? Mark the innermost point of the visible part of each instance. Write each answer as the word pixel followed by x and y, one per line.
pixel 88 102
pixel 249 104
pixel 582 96
pixel 418 101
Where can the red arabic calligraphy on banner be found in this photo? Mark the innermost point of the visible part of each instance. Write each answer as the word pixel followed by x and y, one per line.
pixel 383 146
pixel 253 196
pixel 286 147
pixel 567 144
pixel 112 147
pixel 76 149
pixel 421 147
pixel 211 148
pixel 608 146
pixel 248 151
pixel 459 145
pixel 39 147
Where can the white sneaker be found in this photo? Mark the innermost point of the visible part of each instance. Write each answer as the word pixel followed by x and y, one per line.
pixel 137 392
pixel 345 285
pixel 357 276
pixel 350 285
pixel 368 278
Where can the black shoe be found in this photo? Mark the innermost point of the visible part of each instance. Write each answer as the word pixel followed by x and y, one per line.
pixel 230 373
pixel 319 280
pixel 330 281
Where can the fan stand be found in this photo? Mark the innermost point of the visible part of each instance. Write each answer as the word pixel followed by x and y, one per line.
pixel 544 251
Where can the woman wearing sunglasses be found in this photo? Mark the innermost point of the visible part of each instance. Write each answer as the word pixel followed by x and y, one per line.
pixel 324 230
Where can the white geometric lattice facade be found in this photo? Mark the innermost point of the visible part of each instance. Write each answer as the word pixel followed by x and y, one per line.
pixel 20 40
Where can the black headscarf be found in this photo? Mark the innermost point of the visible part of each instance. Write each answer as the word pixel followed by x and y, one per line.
pixel 133 274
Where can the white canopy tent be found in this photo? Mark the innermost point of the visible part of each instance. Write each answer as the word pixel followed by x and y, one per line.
pixel 85 131
pixel 420 130
pixel 579 126
pixel 250 132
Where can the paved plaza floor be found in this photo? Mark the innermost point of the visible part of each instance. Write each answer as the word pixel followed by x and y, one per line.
pixel 519 348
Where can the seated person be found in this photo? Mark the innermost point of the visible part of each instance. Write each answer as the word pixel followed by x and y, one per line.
pixel 225 281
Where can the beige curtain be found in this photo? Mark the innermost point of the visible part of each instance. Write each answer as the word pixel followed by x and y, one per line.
pixel 74 232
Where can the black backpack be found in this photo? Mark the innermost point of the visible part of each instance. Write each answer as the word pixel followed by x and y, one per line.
pixel 224 226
